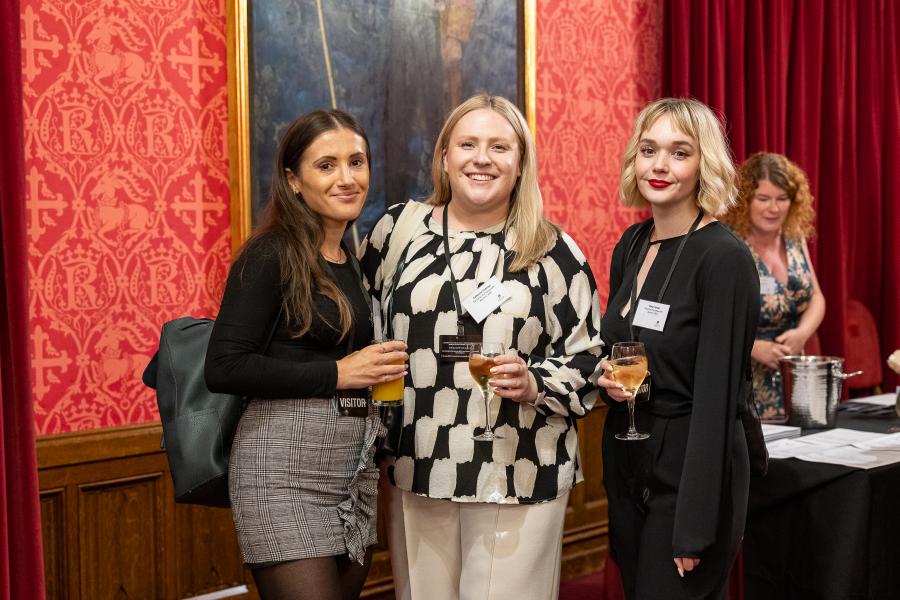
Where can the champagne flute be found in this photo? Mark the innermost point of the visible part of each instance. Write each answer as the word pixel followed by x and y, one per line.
pixel 481 360
pixel 629 364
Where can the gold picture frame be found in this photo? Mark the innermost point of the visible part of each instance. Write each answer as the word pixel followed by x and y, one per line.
pixel 239 98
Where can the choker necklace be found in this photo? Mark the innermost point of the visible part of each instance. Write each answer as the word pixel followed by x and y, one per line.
pixel 341 257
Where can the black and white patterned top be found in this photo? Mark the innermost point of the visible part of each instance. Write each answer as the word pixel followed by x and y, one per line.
pixel 552 320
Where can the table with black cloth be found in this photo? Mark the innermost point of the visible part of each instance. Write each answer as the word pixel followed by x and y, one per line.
pixel 821 531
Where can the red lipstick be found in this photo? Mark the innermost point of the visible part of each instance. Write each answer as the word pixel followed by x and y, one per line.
pixel 659 184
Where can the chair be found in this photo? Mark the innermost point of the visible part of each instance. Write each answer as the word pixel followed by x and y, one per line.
pixel 863 351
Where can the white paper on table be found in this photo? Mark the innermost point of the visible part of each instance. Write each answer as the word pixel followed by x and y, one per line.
pixel 880 399
pixel 850 456
pixel 889 442
pixel 838 437
pixel 773 432
pixel 789 448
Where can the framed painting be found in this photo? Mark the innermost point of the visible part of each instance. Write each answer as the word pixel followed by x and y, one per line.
pixel 399 66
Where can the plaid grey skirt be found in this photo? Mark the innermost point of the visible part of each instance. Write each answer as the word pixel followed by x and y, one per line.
pixel 302 481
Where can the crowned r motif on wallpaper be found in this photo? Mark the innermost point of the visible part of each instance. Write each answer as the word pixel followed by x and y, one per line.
pixel 127 194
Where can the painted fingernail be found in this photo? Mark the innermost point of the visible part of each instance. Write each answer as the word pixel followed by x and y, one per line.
pixel 680 572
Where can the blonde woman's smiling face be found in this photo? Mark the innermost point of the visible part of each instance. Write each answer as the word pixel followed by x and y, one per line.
pixel 667 165
pixel 482 161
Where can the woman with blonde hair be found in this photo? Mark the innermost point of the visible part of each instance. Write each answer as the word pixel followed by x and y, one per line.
pixel 684 286
pixel 774 216
pixel 478 262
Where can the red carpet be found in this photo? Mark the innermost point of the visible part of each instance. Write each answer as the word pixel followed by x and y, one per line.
pixel 584 588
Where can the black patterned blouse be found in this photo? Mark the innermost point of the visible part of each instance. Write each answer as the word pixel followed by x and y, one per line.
pixel 552 320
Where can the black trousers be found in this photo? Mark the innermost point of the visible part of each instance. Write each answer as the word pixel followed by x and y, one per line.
pixel 641 481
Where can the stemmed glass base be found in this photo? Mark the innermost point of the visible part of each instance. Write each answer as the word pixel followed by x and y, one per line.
pixel 488 435
pixel 628 436
pixel 632 435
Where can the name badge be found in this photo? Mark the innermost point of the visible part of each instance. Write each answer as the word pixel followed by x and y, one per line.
pixel 352 403
pixel 768 285
pixel 456 348
pixel 651 315
pixel 486 299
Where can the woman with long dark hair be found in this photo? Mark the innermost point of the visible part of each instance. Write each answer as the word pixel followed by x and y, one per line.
pixel 301 476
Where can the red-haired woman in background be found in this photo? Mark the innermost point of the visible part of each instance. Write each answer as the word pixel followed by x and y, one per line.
pixel 774 215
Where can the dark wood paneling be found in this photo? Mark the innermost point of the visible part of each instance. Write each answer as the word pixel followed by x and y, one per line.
pixel 111 528
pixel 123 535
pixel 208 546
pixel 114 565
pixel 585 538
pixel 53 526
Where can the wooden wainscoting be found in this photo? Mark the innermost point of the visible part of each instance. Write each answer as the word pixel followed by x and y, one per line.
pixel 112 530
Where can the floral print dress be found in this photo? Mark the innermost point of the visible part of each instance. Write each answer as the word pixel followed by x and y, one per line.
pixel 781 305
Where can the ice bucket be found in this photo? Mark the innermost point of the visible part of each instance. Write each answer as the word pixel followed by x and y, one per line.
pixel 812 389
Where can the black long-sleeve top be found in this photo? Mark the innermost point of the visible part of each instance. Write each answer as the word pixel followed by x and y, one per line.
pixel 237 361
pixel 698 361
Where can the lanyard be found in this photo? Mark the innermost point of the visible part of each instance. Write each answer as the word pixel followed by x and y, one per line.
pixel 351 334
pixel 460 325
pixel 644 249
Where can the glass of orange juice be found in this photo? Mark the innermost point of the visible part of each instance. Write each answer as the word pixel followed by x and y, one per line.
pixel 388 393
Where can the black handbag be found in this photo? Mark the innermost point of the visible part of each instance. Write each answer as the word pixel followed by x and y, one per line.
pixel 198 425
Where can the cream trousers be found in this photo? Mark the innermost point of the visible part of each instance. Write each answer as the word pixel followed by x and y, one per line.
pixel 443 550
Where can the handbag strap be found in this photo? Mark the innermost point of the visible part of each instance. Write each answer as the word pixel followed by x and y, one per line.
pixel 403 232
pixel 408 224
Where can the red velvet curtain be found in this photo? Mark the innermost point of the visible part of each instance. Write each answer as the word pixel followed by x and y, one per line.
pixel 816 80
pixel 21 561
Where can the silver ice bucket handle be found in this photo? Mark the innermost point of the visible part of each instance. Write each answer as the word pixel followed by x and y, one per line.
pixel 836 371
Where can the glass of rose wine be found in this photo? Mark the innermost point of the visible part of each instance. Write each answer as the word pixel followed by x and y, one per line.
pixel 629 364
pixel 481 360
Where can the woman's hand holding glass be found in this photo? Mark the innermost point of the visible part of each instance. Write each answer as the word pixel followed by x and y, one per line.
pixel 511 379
pixel 376 363
pixel 614 389
pixel 482 358
pixel 622 376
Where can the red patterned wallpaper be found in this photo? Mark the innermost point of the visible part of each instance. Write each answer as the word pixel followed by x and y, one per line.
pixel 127 173
pixel 598 63
pixel 127 193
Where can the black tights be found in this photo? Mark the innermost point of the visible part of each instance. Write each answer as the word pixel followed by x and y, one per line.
pixel 328 578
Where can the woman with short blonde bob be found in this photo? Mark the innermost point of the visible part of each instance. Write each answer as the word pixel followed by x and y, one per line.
pixel 678 499
pixel 472 518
